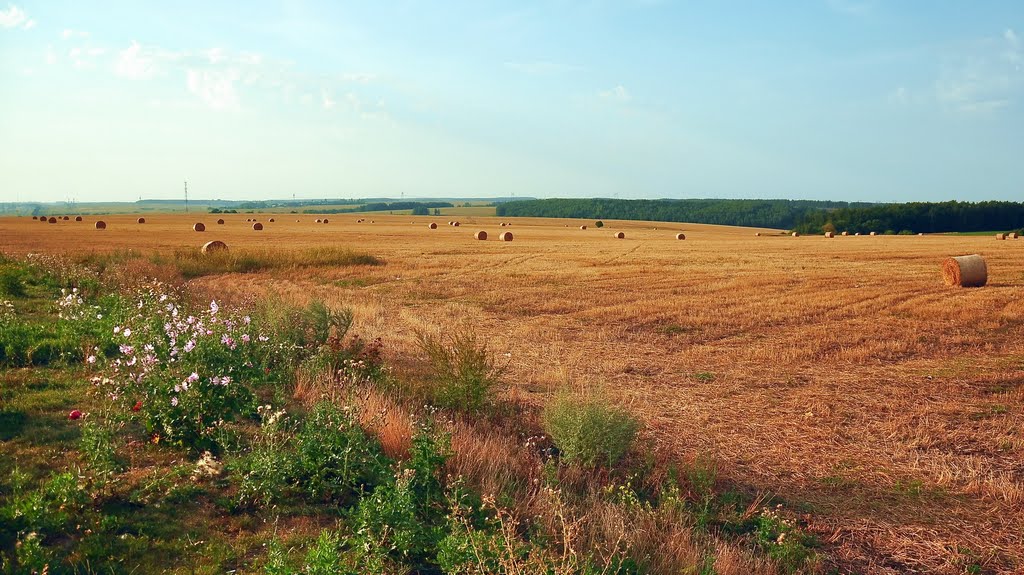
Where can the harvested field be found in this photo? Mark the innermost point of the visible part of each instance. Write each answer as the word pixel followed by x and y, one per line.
pixel 889 407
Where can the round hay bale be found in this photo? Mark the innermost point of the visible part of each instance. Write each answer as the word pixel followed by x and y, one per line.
pixel 220 222
pixel 199 227
pixel 830 234
pixel 141 220
pixel 481 235
pixel 432 226
pixel 619 235
pixel 35 217
pixel 502 224
pixel 846 233
pixel 43 219
pixel 257 226
pixel 1011 235
pixel 920 233
pixel 998 236
pixel 796 234
pixel 214 246
pixel 873 234
pixel 65 218
pixel 583 227
pixel 505 236
pixel 78 218
pixel 271 220
pixel 101 225
pixel 965 271
pixel 326 221
pixel 248 220
pixel 757 234
pixel 680 236
pixel 52 220
pixel 319 221
pixel 857 234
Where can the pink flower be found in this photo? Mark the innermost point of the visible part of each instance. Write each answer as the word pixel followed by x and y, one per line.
pixel 91 359
pixel 75 414
pixel 174 401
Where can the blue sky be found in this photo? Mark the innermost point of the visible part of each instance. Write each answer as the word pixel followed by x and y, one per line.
pixel 821 99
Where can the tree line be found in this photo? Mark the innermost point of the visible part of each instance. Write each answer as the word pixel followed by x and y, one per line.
pixel 916 217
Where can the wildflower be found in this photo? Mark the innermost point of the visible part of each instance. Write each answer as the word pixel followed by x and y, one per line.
pixel 174 401
pixel 193 378
pixel 75 414
pixel 91 359
pixel 163 298
pixel 127 349
pixel 127 332
pixel 117 329
pixel 263 338
pixel 137 406
pixel 214 308
pixel 246 338
pixel 246 319
pixel 190 345
pixel 99 316
pixel 225 380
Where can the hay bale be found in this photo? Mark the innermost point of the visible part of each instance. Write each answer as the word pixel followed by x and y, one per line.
pixel 502 224
pixel 52 220
pixel 583 227
pixel 830 234
pixel 65 218
pixel 796 234
pixel 78 218
pixel 505 236
pixel 214 246
pixel 326 221
pixel 43 219
pixel 271 220
pixel 1011 235
pixel 965 271
pixel 432 226
pixel 1000 236
pixel 873 234
pixel 319 221
pixel 757 234
pixel 920 233
pixel 35 217
pixel 257 226
pixel 101 225
pixel 845 233
pixel 481 235
pixel 450 222
pixel 456 224
pixel 619 235
pixel 199 227
pixel 220 222
pixel 680 236
pixel 141 220
pixel 857 234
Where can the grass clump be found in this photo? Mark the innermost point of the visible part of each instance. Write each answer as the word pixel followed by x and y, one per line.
pixel 194 263
pixel 589 431
pixel 463 375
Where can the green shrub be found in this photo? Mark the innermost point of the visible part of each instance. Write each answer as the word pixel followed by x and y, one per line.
pixel 598 224
pixel 277 560
pixel 463 376
pixel 783 541
pixel 98 448
pixel 324 557
pixel 12 282
pixel 589 432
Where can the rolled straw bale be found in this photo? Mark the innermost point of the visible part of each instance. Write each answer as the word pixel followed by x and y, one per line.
pixel 846 233
pixel 271 220
pixel 873 234
pixel 141 220
pixel 257 226
pixel 319 221
pixel 247 220
pixel 220 222
pixel 796 234
pixel 450 222
pixel 326 221
pixel 505 236
pixel 456 224
pixel 680 236
pixel 502 224
pixel 857 234
pixel 432 226
pixel 65 218
pixel 583 227
pixel 965 271
pixel 1000 236
pixel 830 234
pixel 619 235
pixel 920 233
pixel 52 220
pixel 199 227
pixel 101 225
pixel 35 217
pixel 1011 235
pixel 757 234
pixel 214 246
pixel 481 235
pixel 78 218
pixel 43 219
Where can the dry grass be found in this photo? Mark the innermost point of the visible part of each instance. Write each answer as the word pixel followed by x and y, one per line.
pixel 890 406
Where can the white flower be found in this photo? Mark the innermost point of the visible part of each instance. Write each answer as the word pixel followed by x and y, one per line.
pixel 174 401
pixel 91 359
pixel 127 332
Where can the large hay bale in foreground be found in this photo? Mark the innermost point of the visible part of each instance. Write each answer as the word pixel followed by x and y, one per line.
pixel 141 220
pixel 619 235
pixel 78 218
pixel 52 220
pixel 965 271
pixel 505 236
pixel 830 234
pixel 101 225
pixel 220 222
pixel 199 227
pixel 432 226
pixel 1000 236
pixel 214 246
pixel 481 235
pixel 680 236
pixel 257 226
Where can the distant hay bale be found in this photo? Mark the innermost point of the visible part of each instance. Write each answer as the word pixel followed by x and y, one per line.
pixel 78 218
pixel 830 234
pixel 257 226
pixel 965 271
pixel 372 222
pixel 432 226
pixel 680 236
pixel 450 222
pixel 583 227
pixel 141 220
pixel 220 222
pixel 873 234
pixel 319 221
pixel 998 236
pixel 35 217
pixel 199 227
pixel 796 234
pixel 52 220
pixel 43 219
pixel 857 234
pixel 1011 235
pixel 920 233
pixel 846 233
pixel 619 235
pixel 271 220
pixel 456 224
pixel 505 236
pixel 101 225
pixel 326 221
pixel 248 219
pixel 757 234
pixel 65 218
pixel 481 235
pixel 214 246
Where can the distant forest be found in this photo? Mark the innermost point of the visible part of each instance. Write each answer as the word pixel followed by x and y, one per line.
pixel 418 208
pixel 805 216
pixel 781 214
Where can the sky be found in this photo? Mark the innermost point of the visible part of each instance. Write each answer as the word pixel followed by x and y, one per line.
pixel 857 100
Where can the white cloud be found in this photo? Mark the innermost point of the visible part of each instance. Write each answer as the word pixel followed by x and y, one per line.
pixel 618 93
pixel 984 76
pixel 328 103
pixel 216 88
pixel 68 34
pixel 132 62
pixel 14 17
pixel 84 57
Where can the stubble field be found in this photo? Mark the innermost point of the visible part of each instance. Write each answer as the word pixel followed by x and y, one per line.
pixel 839 375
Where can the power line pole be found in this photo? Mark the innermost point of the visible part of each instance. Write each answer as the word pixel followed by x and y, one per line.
pixel 186 196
